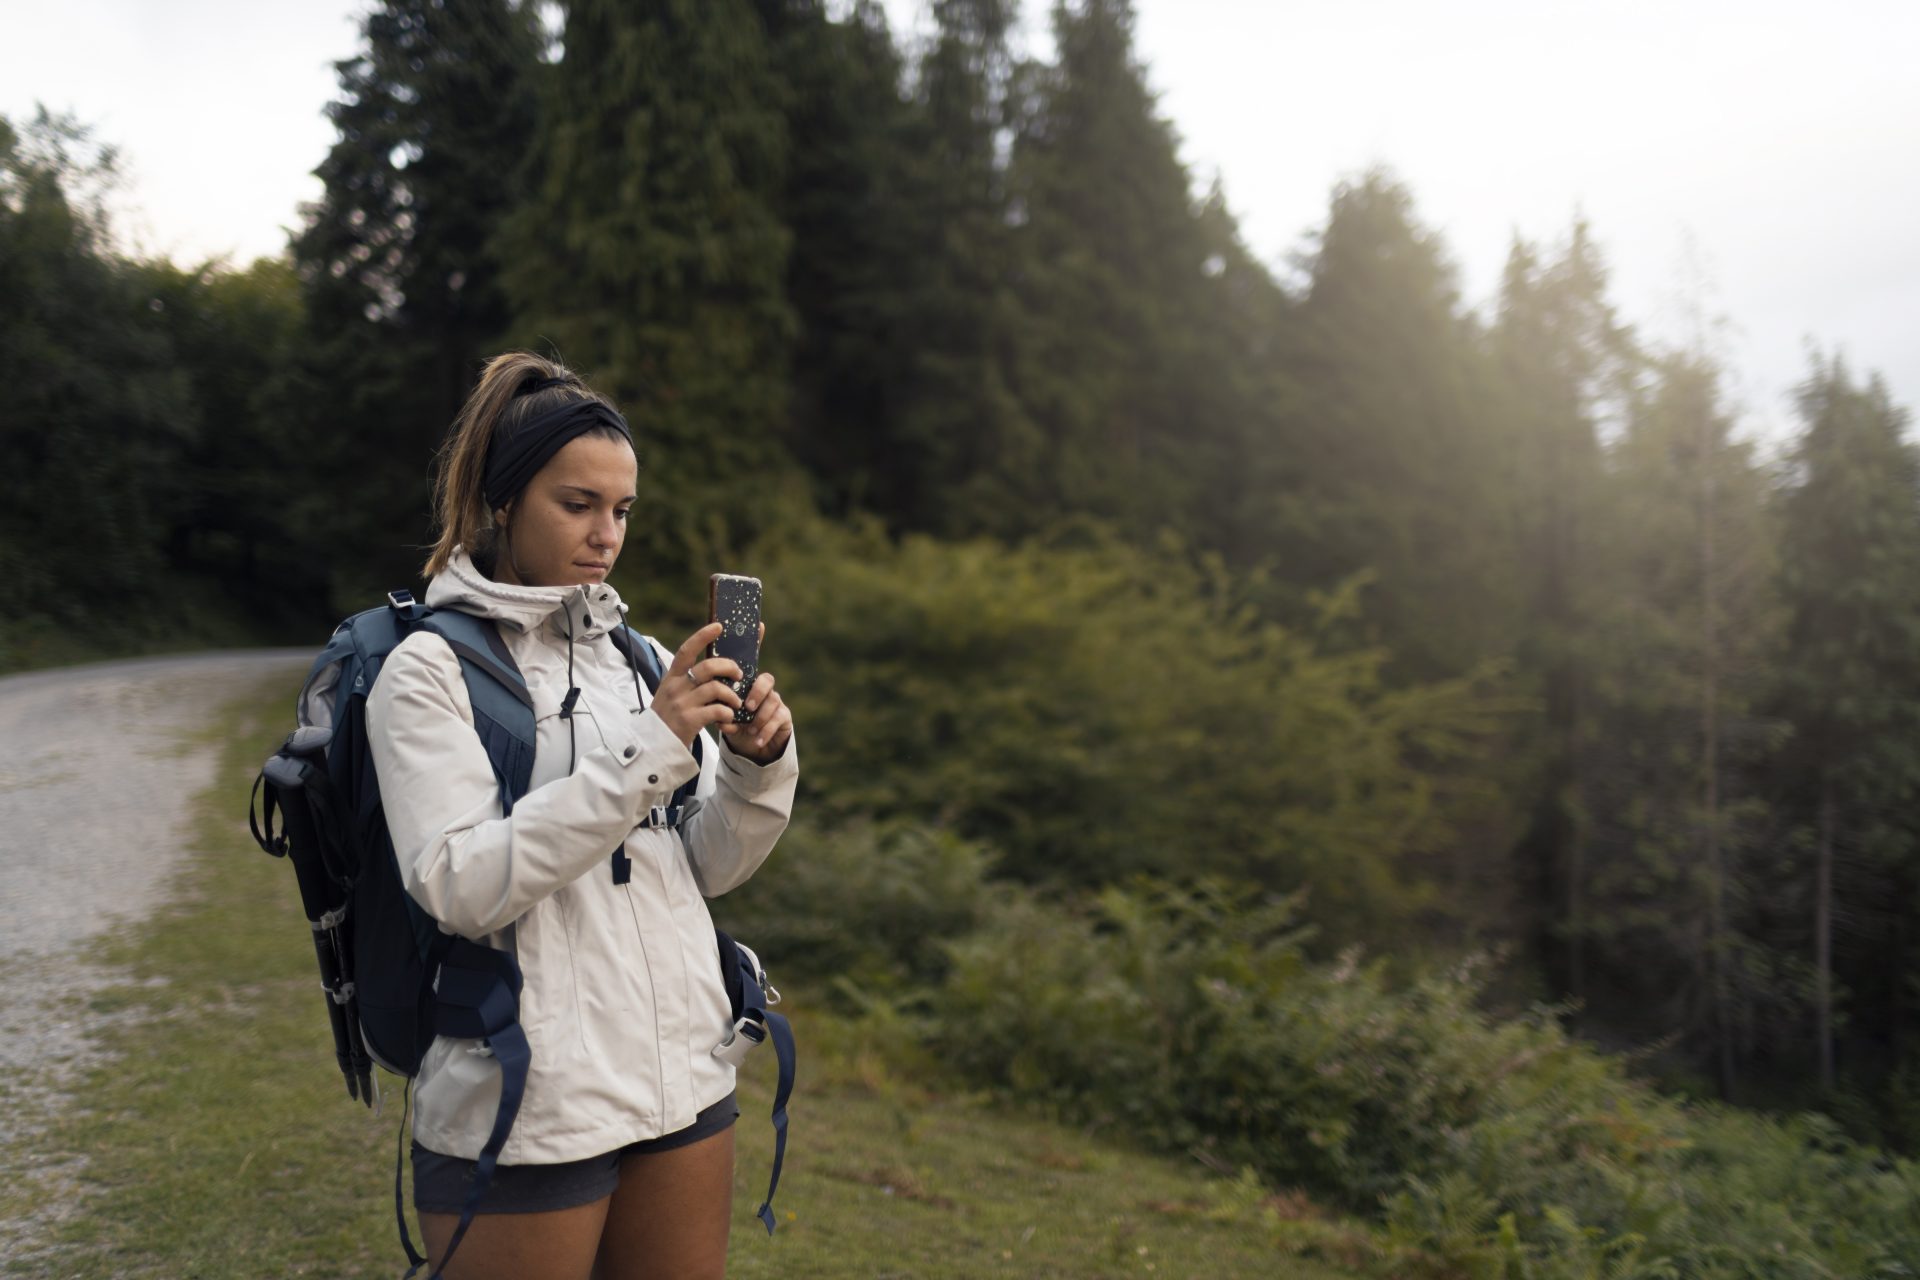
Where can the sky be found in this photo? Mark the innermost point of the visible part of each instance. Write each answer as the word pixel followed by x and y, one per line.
pixel 1750 170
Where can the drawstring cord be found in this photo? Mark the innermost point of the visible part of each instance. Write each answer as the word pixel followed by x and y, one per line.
pixel 633 666
pixel 622 865
pixel 573 696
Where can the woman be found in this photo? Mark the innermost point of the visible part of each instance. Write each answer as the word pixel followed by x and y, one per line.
pixel 620 1163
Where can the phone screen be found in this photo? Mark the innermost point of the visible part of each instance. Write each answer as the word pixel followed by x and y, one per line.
pixel 733 600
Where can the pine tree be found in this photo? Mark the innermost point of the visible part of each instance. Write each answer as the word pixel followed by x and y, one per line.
pixel 856 277
pixel 1850 686
pixel 1402 472
pixel 955 421
pixel 1677 652
pixel 398 260
pixel 1562 359
pixel 649 253
pixel 1109 274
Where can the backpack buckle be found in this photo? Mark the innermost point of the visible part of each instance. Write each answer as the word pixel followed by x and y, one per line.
pixel 745 1033
pixel 400 600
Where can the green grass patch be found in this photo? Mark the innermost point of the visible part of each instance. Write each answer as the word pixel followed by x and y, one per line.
pixel 219 1141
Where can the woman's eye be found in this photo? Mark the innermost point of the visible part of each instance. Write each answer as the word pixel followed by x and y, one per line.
pixel 622 513
pixel 575 507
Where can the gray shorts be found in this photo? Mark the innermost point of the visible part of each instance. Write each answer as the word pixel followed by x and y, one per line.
pixel 440 1183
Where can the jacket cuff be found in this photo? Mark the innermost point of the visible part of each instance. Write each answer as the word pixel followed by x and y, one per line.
pixel 751 778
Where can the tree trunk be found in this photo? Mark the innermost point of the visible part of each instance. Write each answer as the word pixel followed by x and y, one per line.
pixel 1823 937
pixel 1710 750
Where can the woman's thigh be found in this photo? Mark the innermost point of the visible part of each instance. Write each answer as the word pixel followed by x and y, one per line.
pixel 669 1217
pixel 557 1244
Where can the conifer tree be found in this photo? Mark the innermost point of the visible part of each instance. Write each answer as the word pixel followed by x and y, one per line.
pixel 1562 360
pixel 1677 656
pixel 397 257
pixel 649 253
pixel 1402 472
pixel 1849 683
pixel 1109 278
pixel 955 418
pixel 857 277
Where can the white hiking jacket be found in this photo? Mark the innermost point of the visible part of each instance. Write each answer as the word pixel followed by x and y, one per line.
pixel 623 1001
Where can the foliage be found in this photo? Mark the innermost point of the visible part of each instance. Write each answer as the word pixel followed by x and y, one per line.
pixel 1677 652
pixel 400 266
pixel 648 253
pixel 1091 710
pixel 869 905
pixel 85 361
pixel 1187 1017
pixel 1847 679
pixel 148 454
pixel 1398 465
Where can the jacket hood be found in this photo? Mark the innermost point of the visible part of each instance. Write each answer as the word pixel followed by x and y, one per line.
pixel 587 611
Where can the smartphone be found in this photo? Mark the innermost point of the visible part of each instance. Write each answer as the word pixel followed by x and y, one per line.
pixel 733 600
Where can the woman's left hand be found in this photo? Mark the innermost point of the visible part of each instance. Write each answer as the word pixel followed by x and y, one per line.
pixel 764 739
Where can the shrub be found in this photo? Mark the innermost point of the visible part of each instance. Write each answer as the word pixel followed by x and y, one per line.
pixel 868 903
pixel 1091 711
pixel 1188 1017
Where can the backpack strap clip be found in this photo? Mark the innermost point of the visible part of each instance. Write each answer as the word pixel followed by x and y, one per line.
pixel 748 1030
pixel 670 815
pixel 401 601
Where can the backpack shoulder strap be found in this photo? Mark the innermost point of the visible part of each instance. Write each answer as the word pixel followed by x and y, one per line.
pixel 502 706
pixel 639 652
pixel 477 643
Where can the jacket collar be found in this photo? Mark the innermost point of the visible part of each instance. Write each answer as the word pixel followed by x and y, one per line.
pixel 587 611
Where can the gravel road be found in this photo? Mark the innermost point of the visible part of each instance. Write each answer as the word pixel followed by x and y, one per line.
pixel 98 769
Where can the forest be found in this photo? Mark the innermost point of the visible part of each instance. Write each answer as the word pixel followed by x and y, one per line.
pixel 1182 647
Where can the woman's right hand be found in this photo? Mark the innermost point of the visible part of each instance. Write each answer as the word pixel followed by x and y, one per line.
pixel 688 705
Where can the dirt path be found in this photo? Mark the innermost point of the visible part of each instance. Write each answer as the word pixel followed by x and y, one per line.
pixel 98 769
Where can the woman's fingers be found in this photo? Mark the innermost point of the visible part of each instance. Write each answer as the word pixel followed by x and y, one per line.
pixel 769 729
pixel 778 728
pixel 717 669
pixel 761 688
pixel 691 648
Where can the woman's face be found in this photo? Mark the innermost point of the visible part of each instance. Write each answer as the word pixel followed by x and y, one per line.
pixel 566 528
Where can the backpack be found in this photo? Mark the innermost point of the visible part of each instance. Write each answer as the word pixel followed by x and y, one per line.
pixel 392 979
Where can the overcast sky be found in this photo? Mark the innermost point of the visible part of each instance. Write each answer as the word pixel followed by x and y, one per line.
pixel 1756 162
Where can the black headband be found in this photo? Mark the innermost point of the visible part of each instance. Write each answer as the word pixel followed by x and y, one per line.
pixel 517 453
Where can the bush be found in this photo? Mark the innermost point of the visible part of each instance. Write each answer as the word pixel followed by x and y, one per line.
pixel 868 903
pixel 1188 1017
pixel 1091 711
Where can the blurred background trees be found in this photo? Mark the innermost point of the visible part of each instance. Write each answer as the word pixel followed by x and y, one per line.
pixel 1091 545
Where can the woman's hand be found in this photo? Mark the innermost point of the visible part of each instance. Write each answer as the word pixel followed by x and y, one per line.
pixel 688 705
pixel 764 738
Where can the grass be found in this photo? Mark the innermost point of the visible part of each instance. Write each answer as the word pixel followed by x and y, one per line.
pixel 219 1141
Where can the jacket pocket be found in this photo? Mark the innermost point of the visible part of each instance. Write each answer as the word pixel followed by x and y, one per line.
pixel 550 1009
